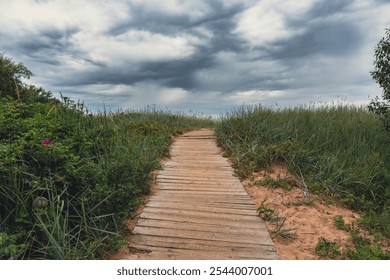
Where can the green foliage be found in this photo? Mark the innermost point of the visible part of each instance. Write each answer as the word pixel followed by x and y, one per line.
pixel 364 247
pixel 10 246
pixel 381 74
pixel 341 151
pixel 91 170
pixel 267 213
pixel 368 252
pixel 270 215
pixel 271 182
pixel 11 85
pixel 326 248
pixel 339 222
pixel 11 75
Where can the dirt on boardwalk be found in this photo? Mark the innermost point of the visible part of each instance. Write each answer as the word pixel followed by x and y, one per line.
pixel 306 217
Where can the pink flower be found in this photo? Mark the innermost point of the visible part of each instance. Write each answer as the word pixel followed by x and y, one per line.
pixel 90 114
pixel 46 142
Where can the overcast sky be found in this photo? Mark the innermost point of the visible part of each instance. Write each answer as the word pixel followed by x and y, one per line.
pixel 204 56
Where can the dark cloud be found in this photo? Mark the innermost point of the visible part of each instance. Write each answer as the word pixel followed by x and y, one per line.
pixel 328 8
pixel 43 46
pixel 145 17
pixel 218 21
pixel 327 38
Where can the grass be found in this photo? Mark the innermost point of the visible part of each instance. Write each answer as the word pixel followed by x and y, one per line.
pixel 338 151
pixel 326 248
pixel 365 247
pixel 272 216
pixel 90 169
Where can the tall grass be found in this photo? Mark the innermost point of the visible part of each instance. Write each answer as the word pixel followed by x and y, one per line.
pixel 339 150
pixel 86 171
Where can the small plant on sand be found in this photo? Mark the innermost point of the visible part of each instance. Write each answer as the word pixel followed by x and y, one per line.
pixel 273 183
pixel 267 213
pixel 326 248
pixel 287 233
pixel 339 222
pixel 270 215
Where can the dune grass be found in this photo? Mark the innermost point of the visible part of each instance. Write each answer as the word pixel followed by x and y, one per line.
pixel 338 151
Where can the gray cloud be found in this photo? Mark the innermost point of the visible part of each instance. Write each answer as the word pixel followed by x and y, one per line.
pixel 328 8
pixel 204 55
pixel 320 38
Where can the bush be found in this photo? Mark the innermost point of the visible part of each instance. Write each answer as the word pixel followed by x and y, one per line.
pixel 91 170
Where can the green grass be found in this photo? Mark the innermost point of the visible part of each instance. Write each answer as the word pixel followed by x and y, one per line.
pixel 326 248
pixel 338 151
pixel 92 174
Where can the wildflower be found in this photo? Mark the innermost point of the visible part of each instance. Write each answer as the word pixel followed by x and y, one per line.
pixel 46 142
pixel 90 114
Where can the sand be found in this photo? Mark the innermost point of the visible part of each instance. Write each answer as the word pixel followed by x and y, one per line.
pixel 306 217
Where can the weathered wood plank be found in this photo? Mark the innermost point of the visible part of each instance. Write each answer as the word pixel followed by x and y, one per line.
pixel 261 238
pixel 202 208
pixel 196 219
pixel 225 199
pixel 174 203
pixel 185 253
pixel 233 228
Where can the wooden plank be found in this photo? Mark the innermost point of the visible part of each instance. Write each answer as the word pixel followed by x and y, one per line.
pixel 216 194
pixel 200 214
pixel 199 208
pixel 157 252
pixel 201 190
pixel 204 182
pixel 261 238
pixel 201 199
pixel 194 244
pixel 198 188
pixel 204 203
pixel 201 227
pixel 196 219
pixel 200 178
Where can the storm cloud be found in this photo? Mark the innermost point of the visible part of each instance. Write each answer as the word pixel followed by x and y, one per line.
pixel 207 56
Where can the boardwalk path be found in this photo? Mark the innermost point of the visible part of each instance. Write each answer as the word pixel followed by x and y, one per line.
pixel 200 210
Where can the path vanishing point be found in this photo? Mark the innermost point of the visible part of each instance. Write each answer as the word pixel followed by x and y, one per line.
pixel 199 210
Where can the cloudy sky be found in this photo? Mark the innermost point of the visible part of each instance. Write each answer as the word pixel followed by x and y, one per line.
pixel 205 56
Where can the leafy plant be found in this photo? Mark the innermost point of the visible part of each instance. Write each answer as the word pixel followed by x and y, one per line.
pixel 274 183
pixel 10 246
pixel 267 213
pixel 339 222
pixel 326 248
pixel 287 233
pixel 270 215
pixel 381 74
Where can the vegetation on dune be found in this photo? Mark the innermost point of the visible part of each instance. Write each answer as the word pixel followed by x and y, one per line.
pixel 68 177
pixel 338 151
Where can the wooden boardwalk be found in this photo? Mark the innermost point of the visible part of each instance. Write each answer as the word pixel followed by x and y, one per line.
pixel 199 209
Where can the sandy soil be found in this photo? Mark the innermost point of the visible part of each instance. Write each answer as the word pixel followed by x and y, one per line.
pixel 305 215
